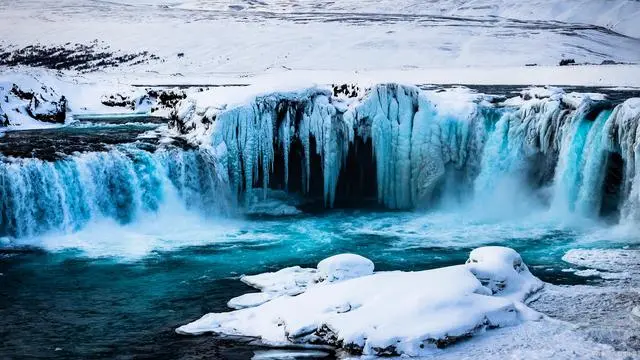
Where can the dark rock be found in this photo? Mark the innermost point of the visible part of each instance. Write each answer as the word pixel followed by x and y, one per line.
pixel 54 112
pixel 79 57
pixel 117 100
pixel 348 90
pixel 565 62
pixel 22 95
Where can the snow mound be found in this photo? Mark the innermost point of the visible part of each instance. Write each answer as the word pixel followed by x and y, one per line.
pixel 502 271
pixel 295 280
pixel 344 267
pixel 384 313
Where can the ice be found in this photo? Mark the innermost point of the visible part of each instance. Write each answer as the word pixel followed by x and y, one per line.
pixel 605 263
pixel 386 313
pixel 427 142
pixel 276 203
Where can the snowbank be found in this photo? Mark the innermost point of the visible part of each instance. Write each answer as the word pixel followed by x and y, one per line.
pixel 384 313
pixel 609 264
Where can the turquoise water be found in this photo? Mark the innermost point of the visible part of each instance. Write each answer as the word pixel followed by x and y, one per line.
pixel 90 297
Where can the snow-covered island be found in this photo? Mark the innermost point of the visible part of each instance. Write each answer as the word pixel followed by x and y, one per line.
pixel 345 305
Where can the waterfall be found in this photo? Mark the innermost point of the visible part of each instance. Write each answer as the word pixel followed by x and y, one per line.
pixel 38 196
pixel 417 148
pixel 552 148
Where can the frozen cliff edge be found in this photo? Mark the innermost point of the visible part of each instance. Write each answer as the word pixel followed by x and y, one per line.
pixel 423 141
pixel 345 305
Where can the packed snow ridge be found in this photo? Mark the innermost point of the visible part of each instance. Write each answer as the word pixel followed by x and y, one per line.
pixel 345 305
pixel 422 141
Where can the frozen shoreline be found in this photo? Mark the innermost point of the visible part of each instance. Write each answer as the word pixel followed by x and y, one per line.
pixel 291 295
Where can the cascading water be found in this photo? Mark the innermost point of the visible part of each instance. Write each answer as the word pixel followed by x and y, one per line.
pixel 551 149
pixel 425 147
pixel 121 184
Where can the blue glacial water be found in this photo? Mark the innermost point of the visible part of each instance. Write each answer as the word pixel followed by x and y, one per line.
pixel 113 291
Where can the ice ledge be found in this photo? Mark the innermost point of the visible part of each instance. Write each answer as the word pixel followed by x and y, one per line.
pixel 343 304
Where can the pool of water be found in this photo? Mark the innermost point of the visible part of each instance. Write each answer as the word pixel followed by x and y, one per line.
pixel 112 291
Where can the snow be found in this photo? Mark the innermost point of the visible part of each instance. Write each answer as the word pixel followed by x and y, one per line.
pixel 289 281
pixel 289 354
pixel 362 35
pixel 385 313
pixel 609 264
pixel 344 267
pixel 502 270
pixel 251 300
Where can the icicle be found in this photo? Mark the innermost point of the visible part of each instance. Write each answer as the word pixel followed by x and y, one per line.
pixel 623 129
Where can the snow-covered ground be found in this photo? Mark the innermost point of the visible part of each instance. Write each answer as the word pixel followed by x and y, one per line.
pixel 198 37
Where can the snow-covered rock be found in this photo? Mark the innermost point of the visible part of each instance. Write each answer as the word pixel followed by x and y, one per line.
pixel 344 267
pixel 251 300
pixel 385 313
pixel 22 103
pixel 502 270
pixel 296 280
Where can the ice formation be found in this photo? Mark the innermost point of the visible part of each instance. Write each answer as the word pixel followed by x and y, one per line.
pixel 385 313
pixel 409 147
pixel 427 142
